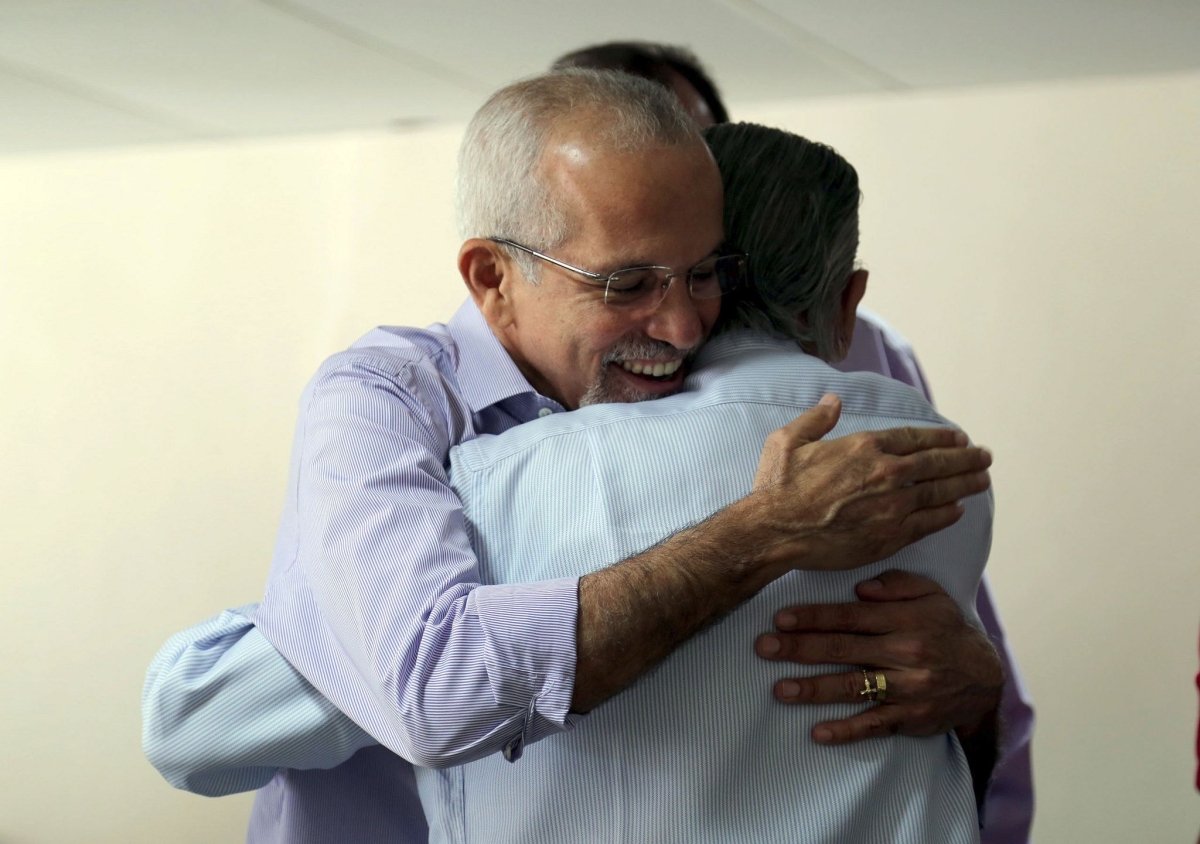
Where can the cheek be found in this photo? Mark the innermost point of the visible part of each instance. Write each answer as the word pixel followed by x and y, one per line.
pixel 595 330
pixel 708 310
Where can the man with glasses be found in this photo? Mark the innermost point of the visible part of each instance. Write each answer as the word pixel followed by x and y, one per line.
pixel 376 596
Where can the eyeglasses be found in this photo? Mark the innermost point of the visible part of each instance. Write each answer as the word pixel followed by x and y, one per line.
pixel 644 288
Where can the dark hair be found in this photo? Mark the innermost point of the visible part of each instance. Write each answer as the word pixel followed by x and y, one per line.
pixel 649 61
pixel 792 205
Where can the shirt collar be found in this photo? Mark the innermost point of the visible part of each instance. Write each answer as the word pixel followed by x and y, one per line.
pixel 734 344
pixel 486 373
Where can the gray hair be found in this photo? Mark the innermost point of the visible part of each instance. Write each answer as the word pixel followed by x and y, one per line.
pixel 500 189
pixel 792 206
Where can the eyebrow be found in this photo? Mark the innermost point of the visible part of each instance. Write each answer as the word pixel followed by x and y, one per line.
pixel 637 262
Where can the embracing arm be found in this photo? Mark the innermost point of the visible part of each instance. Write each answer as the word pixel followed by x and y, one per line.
pixel 816 506
pixel 222 710
pixel 384 611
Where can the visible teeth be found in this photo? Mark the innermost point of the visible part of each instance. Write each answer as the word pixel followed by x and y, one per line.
pixel 656 370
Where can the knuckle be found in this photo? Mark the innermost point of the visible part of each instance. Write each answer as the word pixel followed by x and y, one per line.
pixel 899 506
pixel 885 473
pixel 776 440
pixel 924 495
pixel 874 723
pixel 851 686
pixel 845 616
pixel 910 650
pixel 920 682
pixel 863 442
pixel 837 647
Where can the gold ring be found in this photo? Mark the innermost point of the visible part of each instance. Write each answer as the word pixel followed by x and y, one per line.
pixel 880 687
pixel 869 692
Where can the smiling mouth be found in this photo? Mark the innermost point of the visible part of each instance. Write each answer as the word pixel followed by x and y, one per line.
pixel 658 370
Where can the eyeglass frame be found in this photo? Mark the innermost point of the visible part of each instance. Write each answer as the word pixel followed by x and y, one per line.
pixel 606 280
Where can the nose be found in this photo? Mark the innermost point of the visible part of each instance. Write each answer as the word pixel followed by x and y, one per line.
pixel 681 320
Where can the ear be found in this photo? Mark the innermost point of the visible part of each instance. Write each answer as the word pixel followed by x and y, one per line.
pixel 856 288
pixel 489 274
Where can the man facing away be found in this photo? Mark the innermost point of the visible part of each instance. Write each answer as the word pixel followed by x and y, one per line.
pixel 375 596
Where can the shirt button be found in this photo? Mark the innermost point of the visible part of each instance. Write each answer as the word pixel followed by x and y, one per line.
pixel 544 412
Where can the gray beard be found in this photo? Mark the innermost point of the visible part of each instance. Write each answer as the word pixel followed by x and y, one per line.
pixel 608 388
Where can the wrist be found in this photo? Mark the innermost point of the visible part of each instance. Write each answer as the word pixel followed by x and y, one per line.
pixel 766 550
pixel 783 545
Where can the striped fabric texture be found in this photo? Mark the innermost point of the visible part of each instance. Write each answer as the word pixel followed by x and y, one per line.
pixel 250 713
pixel 222 709
pixel 698 751
pixel 374 594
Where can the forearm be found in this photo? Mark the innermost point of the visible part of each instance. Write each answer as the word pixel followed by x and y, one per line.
pixel 222 710
pixel 633 614
pixel 827 510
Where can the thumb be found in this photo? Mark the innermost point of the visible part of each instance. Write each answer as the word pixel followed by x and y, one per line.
pixel 896 585
pixel 817 421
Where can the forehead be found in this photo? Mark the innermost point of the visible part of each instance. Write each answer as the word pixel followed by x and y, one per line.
pixel 658 205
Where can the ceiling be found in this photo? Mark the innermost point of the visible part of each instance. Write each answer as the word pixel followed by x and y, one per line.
pixel 93 73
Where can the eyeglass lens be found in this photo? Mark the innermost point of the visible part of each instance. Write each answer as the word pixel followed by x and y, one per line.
pixel 647 286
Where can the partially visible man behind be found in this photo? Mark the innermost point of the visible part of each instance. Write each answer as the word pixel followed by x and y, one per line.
pixel 877 347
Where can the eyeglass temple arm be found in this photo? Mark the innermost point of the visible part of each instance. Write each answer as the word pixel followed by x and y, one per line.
pixel 603 279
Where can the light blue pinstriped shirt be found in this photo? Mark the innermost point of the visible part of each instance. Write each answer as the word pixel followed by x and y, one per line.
pixel 698 751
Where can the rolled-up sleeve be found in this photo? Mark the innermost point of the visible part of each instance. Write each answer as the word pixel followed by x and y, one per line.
pixel 376 596
pixel 222 710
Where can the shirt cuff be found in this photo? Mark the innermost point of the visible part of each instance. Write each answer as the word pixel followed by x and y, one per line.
pixel 529 652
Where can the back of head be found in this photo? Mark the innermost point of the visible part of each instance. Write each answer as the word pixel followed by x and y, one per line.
pixel 650 61
pixel 792 206
pixel 501 192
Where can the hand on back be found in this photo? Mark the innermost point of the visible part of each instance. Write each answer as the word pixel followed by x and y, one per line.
pixel 844 503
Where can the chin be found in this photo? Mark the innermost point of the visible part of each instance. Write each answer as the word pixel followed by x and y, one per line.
pixel 614 388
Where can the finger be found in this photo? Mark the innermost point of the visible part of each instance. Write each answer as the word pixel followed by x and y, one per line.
pixel 903 441
pixel 846 687
pixel 947 490
pixel 894 585
pixel 878 721
pixel 855 617
pixel 815 422
pixel 822 648
pixel 943 463
pixel 922 523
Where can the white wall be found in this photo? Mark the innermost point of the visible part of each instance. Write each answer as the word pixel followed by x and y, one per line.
pixel 160 310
